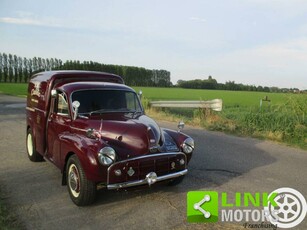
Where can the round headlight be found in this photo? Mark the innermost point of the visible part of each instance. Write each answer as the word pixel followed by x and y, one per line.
pixel 188 145
pixel 106 156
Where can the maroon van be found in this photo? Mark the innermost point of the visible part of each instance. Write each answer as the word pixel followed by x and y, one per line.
pixel 94 129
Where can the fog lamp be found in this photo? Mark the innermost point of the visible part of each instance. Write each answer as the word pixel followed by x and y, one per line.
pixel 118 172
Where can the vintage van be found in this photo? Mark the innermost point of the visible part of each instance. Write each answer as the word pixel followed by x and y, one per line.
pixel 94 129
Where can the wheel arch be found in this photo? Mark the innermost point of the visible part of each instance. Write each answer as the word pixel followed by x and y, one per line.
pixel 68 155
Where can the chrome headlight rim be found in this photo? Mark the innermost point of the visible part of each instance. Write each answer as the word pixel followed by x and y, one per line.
pixel 188 145
pixel 106 156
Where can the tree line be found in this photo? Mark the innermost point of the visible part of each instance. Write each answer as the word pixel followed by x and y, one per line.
pixel 211 83
pixel 19 69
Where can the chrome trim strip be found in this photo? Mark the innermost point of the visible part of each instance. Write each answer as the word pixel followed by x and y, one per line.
pixel 144 181
pixel 30 109
pixel 146 156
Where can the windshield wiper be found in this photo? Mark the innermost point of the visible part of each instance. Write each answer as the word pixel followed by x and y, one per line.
pixel 98 111
pixel 136 112
pixel 120 110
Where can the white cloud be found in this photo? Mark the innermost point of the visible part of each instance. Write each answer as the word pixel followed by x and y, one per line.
pixel 197 19
pixel 30 20
pixel 21 21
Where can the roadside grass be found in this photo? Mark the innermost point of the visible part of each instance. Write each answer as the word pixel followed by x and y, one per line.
pixel 285 122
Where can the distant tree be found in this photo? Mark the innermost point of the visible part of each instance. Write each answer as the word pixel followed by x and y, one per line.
pixel 44 67
pixel 35 64
pixel 39 64
pixel 1 67
pixel 20 67
pixel 11 67
pixel 259 88
pixel 47 64
pixel 5 67
pixel 15 68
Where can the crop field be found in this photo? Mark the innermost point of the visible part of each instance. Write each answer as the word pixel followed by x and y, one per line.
pixel 284 119
pixel 15 89
pixel 230 98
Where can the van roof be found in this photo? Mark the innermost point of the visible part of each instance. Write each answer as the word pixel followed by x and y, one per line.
pixel 84 85
pixel 76 75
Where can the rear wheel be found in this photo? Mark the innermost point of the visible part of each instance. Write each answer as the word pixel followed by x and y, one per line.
pixel 82 191
pixel 31 150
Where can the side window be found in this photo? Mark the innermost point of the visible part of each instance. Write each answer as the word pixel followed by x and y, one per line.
pixel 62 104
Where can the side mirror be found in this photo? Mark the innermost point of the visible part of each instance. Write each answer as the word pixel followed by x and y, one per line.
pixel 53 93
pixel 90 133
pixel 180 126
pixel 140 94
pixel 75 105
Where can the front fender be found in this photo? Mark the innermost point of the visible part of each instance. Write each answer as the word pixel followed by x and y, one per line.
pixel 86 150
pixel 179 138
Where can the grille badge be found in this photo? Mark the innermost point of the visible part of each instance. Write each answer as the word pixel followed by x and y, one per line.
pixel 173 164
pixel 131 171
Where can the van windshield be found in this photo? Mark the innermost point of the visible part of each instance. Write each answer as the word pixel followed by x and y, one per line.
pixel 106 101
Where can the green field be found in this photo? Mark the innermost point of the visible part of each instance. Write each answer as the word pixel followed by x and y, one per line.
pixel 230 98
pixel 15 89
pixel 283 120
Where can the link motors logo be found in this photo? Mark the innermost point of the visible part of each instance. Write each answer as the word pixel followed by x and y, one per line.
pixel 291 208
pixel 283 208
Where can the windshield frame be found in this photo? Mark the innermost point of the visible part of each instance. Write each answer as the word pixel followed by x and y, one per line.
pixel 110 111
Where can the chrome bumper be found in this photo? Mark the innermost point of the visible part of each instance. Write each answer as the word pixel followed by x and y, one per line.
pixel 147 180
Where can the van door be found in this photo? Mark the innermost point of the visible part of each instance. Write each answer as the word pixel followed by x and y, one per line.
pixel 58 125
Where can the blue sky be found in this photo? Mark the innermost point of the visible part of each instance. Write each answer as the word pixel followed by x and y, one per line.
pixel 258 42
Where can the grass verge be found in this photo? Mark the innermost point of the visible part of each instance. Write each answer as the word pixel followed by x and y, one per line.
pixel 284 123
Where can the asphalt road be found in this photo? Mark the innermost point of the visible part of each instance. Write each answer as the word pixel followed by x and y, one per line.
pixel 220 163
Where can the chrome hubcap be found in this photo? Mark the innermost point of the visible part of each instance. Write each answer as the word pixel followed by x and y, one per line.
pixel 74 180
pixel 30 145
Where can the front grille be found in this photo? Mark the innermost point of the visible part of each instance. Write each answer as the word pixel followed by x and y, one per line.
pixel 138 168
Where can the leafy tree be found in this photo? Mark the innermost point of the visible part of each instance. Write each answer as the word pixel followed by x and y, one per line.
pixel 5 67
pixel 1 67
pixel 20 67
pixel 11 67
pixel 15 68
pixel 25 69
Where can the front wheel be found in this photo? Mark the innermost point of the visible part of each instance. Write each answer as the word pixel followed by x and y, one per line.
pixel 31 150
pixel 82 191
